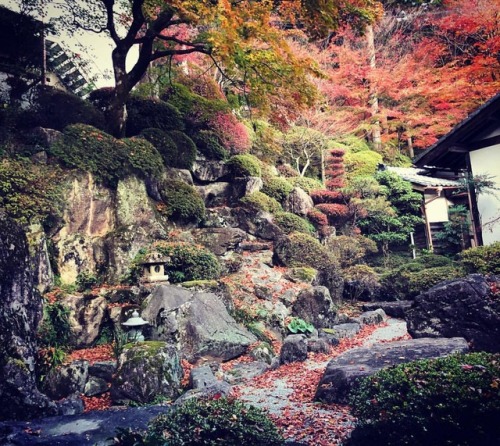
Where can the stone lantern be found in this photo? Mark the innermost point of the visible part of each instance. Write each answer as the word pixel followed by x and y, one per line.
pixel 154 268
pixel 134 325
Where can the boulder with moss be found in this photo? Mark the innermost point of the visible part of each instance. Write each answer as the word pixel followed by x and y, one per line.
pixel 316 307
pixel 299 202
pixel 220 240
pixel 20 313
pixel 147 371
pixel 197 322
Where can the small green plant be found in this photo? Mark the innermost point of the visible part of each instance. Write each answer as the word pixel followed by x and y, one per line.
pixel 214 422
pixel 306 183
pixel 245 165
pixel 85 281
pixel 298 325
pixel 361 282
pixel 120 339
pixel 48 359
pixel 55 328
pixel 447 401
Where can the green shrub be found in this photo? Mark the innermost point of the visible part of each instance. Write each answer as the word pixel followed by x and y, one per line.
pixel 143 157
pixel 163 143
pixel 182 201
pixel 55 329
pixel 433 260
pixel 189 262
pixel 261 202
pixel 185 153
pixel 306 183
pixel 31 193
pixel 245 165
pixel 410 280
pixel 293 223
pixel 278 188
pixel 92 150
pixel 56 109
pixel 447 401
pixel 148 113
pixel 350 250
pixel 209 144
pixel 299 249
pixel 85 281
pixel 483 259
pixel 213 422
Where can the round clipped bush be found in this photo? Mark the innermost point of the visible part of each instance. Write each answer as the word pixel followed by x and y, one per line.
pixel 306 183
pixel 213 422
pixel 209 144
pixel 189 262
pixel 278 188
pixel 56 109
pixel 361 282
pixel 185 153
pixel 143 157
pixel 163 143
pixel 92 150
pixel 299 249
pixel 446 401
pixel 293 223
pixel 182 201
pixel 350 250
pixel 146 113
pixel 244 165
pixel 482 259
pixel 261 202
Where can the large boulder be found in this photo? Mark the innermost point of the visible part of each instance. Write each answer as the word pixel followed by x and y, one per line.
pixel 466 307
pixel 244 186
pixel 66 380
pixel 259 224
pixel 299 202
pixel 215 194
pixel 343 372
pixel 294 349
pixel 87 315
pixel 147 371
pixel 197 322
pixel 20 313
pixel 316 306
pixel 206 170
pixel 395 309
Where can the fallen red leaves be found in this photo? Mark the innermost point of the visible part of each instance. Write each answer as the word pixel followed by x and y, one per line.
pixel 94 354
pixel 101 402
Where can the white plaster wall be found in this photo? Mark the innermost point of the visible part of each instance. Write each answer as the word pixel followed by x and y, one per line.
pixel 487 162
pixel 436 208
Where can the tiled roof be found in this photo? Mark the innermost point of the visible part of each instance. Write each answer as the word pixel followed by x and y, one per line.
pixel 421 177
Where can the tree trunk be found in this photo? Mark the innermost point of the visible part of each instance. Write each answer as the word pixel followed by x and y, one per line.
pixel 117 113
pixel 373 98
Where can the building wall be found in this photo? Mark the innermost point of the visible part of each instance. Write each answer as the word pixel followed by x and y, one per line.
pixel 487 162
pixel 436 208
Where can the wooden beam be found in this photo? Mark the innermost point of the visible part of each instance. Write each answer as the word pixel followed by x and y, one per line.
pixel 484 143
pixel 458 149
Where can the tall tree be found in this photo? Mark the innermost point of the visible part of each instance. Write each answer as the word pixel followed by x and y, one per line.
pixel 237 34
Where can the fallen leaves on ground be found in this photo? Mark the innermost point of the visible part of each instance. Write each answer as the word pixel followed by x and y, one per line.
pixel 94 354
pixel 101 402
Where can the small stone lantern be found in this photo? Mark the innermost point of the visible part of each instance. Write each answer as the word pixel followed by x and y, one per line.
pixel 135 324
pixel 154 268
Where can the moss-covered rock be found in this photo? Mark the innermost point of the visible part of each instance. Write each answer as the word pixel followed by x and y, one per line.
pixel 244 165
pixel 182 201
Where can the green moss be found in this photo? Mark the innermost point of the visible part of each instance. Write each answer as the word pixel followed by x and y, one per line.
pixel 143 157
pixel 261 202
pixel 200 284
pixel 185 154
pixel 209 144
pixel 278 188
pixel 305 183
pixel 303 274
pixel 299 249
pixel 483 259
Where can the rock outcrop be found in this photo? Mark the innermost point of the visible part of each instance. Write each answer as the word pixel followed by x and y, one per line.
pixel 464 307
pixel 344 371
pixel 20 313
pixel 198 323
pixel 147 371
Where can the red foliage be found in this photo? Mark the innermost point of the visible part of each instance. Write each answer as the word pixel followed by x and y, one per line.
pixel 327 196
pixel 101 402
pixel 232 133
pixel 335 183
pixel 333 210
pixel 317 217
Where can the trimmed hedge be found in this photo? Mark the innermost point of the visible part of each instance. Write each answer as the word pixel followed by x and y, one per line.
pixel 210 145
pixel 148 113
pixel 308 184
pixel 182 201
pixel 447 401
pixel 144 159
pixel 278 188
pixel 261 202
pixel 185 154
pixel 244 165
pixel 483 259
pixel 293 223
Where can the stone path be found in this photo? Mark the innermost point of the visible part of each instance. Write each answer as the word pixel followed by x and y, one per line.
pixel 280 395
